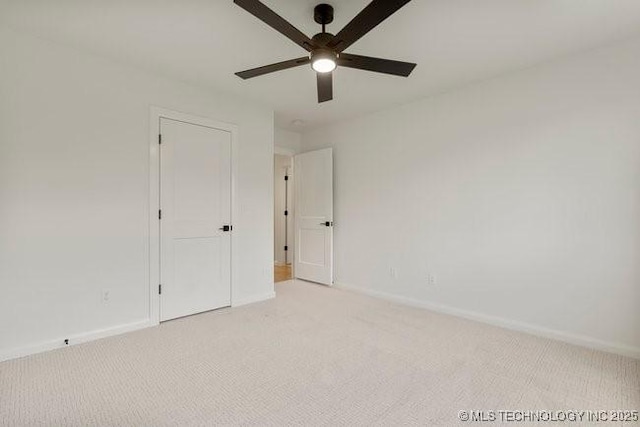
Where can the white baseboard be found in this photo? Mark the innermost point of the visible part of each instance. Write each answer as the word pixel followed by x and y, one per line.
pixel 237 302
pixel 74 339
pixel 581 340
pixel 103 333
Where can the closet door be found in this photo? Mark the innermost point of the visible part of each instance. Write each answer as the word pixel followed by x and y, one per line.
pixel 195 232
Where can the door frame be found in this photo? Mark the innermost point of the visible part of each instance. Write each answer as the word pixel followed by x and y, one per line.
pixel 156 114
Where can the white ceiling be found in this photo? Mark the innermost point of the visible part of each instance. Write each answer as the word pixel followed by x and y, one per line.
pixel 454 42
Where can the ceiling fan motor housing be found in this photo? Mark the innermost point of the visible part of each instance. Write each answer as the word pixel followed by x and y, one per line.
pixel 322 39
pixel 322 52
pixel 317 54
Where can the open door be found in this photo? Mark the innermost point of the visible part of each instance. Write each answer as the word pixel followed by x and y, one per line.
pixel 314 216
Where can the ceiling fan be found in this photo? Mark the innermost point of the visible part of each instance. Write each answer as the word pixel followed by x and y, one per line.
pixel 325 49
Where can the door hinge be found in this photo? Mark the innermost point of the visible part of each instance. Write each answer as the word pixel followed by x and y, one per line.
pixel 286 248
pixel 159 289
pixel 286 213
pixel 286 177
pixel 159 213
pixel 159 139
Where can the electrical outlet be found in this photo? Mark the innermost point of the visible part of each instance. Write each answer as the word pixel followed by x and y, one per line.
pixel 432 280
pixel 106 295
pixel 392 272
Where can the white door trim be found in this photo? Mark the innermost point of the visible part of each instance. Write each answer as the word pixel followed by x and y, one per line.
pixel 157 113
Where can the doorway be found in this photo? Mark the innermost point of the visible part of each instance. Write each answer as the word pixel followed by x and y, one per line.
pixel 303 216
pixel 283 217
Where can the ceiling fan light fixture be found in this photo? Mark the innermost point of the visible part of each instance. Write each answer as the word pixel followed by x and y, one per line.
pixel 323 61
pixel 324 65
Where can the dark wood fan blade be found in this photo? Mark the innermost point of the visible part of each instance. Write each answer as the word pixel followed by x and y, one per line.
pixel 255 72
pixel 276 22
pixel 378 65
pixel 376 12
pixel 325 87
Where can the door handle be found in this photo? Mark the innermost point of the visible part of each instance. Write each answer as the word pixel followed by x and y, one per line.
pixel 226 228
pixel 327 223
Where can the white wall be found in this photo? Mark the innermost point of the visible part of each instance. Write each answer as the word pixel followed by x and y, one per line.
pixel 74 177
pixel 521 195
pixel 288 140
pixel 283 166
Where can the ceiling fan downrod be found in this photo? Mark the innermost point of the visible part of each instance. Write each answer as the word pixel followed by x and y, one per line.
pixel 323 15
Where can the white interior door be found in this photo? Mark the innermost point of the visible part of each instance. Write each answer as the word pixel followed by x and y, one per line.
pixel 314 216
pixel 195 202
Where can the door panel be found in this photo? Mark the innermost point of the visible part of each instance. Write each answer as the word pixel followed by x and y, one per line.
pixel 314 216
pixel 195 198
pixel 312 250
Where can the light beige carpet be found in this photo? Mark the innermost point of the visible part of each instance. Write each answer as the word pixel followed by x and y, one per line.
pixel 312 356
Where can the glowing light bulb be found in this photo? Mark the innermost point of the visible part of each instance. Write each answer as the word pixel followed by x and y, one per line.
pixel 324 65
pixel 323 60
